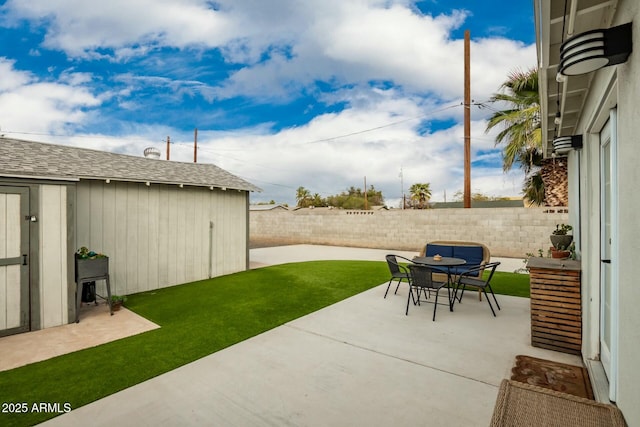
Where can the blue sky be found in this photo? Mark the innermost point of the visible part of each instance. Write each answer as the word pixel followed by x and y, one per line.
pixel 284 93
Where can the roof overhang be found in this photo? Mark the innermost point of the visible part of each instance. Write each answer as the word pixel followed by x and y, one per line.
pixel 38 177
pixel 555 22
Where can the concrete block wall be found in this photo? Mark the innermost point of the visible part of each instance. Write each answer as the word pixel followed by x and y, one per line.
pixel 508 232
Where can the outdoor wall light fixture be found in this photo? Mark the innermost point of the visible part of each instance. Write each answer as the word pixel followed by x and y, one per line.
pixel 556 120
pixel 564 144
pixel 592 50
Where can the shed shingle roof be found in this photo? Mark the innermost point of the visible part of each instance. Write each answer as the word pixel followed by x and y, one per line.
pixel 36 159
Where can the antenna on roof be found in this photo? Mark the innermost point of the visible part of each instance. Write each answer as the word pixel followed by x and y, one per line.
pixel 152 153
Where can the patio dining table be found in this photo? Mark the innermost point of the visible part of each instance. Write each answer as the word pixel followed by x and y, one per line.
pixel 441 263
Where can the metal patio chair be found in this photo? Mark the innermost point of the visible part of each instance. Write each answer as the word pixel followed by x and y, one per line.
pixel 398 271
pixel 467 279
pixel 421 280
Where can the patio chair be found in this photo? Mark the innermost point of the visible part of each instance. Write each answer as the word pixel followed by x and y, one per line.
pixel 469 278
pixel 420 279
pixel 398 271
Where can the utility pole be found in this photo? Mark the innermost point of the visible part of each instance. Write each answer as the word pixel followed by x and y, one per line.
pixel 402 186
pixel 195 145
pixel 168 148
pixel 366 204
pixel 467 120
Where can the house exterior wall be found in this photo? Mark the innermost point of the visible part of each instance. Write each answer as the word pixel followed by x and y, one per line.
pixel 629 229
pixel 162 235
pixel 613 87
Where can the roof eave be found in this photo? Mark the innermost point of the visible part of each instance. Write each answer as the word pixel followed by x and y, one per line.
pixel 542 24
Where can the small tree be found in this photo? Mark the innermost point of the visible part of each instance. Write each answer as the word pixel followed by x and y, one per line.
pixel 476 197
pixel 353 198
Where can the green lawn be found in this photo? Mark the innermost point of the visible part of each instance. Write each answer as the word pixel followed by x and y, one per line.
pixel 513 284
pixel 197 319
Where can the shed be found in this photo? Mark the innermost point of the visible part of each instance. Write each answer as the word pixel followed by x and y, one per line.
pixel 161 223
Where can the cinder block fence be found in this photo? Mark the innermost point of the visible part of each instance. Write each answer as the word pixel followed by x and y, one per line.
pixel 508 232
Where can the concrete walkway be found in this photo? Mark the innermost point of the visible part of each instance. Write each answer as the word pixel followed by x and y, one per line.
pixel 96 327
pixel 360 362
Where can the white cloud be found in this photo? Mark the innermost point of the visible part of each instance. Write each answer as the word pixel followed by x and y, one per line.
pixel 38 106
pixel 85 28
pixel 11 79
pixel 354 41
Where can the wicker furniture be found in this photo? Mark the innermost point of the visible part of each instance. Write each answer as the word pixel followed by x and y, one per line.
pixel 524 405
pixel 473 253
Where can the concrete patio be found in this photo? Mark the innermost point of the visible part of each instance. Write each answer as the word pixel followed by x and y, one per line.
pixel 358 362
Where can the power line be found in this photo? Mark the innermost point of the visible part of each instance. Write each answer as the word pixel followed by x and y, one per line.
pixel 384 126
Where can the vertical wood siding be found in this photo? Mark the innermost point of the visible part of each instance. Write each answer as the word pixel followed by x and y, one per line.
pixel 9 248
pixel 53 256
pixel 159 236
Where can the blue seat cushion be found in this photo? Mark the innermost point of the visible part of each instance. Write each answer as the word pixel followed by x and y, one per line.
pixel 471 254
pixel 442 250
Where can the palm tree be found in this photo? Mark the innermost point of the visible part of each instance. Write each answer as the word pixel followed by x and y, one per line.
pixel 521 133
pixel 521 120
pixel 420 193
pixel 317 200
pixel 303 197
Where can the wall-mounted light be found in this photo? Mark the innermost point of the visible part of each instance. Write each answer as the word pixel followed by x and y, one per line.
pixel 564 144
pixel 592 50
pixel 556 120
pixel 147 183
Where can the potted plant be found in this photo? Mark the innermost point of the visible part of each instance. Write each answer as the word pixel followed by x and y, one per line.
pixel 560 239
pixel 90 264
pixel 117 301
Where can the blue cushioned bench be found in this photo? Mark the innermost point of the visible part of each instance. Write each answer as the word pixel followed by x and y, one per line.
pixel 473 253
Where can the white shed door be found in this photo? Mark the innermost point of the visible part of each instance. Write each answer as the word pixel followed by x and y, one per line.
pixel 14 251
